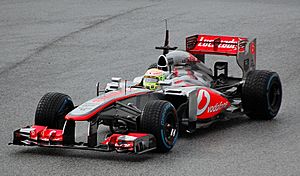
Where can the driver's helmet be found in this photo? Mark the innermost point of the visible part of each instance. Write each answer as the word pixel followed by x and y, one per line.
pixel 151 78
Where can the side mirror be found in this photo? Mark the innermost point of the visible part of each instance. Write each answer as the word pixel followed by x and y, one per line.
pixel 116 79
pixel 98 91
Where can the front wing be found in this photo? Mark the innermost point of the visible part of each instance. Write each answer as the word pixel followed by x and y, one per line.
pixel 41 136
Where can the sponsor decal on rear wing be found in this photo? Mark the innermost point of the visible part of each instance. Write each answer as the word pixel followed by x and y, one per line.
pixel 210 44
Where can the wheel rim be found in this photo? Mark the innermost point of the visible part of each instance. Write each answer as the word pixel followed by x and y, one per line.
pixel 274 97
pixel 170 128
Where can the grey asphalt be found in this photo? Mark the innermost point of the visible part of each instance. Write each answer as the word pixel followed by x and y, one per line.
pixel 67 46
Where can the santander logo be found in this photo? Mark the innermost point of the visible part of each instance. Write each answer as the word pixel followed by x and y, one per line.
pixel 203 100
pixel 224 44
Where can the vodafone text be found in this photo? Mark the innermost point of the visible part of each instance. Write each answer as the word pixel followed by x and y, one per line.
pixel 217 107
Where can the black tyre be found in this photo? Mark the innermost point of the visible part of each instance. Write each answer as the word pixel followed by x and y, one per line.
pixel 261 94
pixel 51 110
pixel 154 65
pixel 160 119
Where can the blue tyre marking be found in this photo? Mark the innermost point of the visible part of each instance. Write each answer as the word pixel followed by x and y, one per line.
pixel 163 120
pixel 66 101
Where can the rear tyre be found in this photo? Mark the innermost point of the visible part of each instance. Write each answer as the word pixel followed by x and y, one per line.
pixel 160 119
pixel 261 94
pixel 52 109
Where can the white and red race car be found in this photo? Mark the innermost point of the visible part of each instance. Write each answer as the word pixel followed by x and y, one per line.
pixel 142 120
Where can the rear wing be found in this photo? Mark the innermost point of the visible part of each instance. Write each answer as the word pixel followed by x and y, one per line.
pixel 245 51
pixel 210 44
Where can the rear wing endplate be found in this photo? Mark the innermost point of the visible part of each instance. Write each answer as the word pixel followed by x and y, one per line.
pixel 240 47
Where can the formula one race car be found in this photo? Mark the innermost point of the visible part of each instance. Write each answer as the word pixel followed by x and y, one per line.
pixel 146 114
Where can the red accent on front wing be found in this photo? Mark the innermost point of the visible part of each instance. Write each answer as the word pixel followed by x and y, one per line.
pixel 34 134
pixel 45 134
pixel 126 143
pixel 51 135
pixel 114 136
pixel 88 116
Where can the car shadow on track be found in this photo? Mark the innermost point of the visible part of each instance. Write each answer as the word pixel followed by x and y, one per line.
pixel 91 155
pixel 231 124
pixel 216 127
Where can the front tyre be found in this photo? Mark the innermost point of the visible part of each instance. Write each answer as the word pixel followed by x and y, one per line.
pixel 262 94
pixel 160 119
pixel 52 109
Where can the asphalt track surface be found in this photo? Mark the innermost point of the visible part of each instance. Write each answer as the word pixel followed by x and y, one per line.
pixel 67 46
